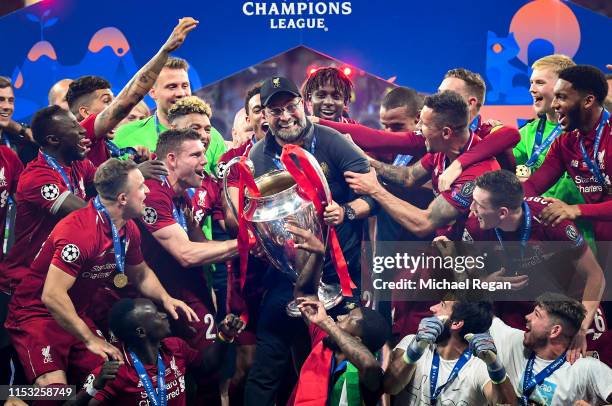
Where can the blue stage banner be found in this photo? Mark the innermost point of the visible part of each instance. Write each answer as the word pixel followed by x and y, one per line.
pixel 396 42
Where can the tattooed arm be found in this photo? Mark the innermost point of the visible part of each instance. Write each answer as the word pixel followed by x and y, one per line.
pixel 138 87
pixel 409 176
pixel 370 372
pixel 418 221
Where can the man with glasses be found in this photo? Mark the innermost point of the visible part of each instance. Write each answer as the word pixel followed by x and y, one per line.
pixel 284 112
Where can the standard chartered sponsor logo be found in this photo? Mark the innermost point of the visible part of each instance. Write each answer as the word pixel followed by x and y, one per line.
pixel 297 14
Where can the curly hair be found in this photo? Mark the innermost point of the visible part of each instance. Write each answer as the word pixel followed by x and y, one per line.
pixel 189 105
pixel 328 76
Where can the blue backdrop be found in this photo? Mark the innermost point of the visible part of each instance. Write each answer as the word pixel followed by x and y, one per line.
pixel 411 43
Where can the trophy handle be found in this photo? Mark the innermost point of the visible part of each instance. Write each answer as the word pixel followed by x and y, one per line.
pixel 226 172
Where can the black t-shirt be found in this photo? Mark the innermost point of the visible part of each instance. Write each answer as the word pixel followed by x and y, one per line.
pixel 336 155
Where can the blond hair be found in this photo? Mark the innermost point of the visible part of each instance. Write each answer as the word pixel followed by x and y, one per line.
pixel 176 63
pixel 189 105
pixel 556 63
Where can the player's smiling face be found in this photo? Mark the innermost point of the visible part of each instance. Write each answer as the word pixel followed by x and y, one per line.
pixel 7 105
pixel 190 163
pixel 481 207
pixel 73 143
pixel 327 103
pixel 135 194
pixel 567 105
pixel 542 84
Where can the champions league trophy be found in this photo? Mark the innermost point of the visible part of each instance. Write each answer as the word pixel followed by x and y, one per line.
pixel 281 199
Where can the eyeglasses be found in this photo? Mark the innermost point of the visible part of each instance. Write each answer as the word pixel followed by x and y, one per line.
pixel 289 108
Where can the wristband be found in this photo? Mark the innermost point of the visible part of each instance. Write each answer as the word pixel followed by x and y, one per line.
pixel 497 372
pixel 91 391
pixel 407 359
pixel 221 337
pixel 414 351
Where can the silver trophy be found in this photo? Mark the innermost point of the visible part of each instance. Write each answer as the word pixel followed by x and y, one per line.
pixel 268 215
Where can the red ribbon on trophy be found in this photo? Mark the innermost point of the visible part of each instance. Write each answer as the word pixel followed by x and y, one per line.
pixel 246 239
pixel 307 179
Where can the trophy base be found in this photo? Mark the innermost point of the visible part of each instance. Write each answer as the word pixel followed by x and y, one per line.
pixel 329 294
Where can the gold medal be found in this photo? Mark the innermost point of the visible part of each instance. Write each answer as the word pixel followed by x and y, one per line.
pixel 120 280
pixel 523 171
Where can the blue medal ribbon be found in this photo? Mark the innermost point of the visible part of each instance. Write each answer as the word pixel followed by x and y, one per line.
pixel 6 141
pixel 402 160
pixel 525 229
pixel 116 152
pixel 7 224
pixel 538 145
pixel 156 121
pixel 52 162
pixel 475 124
pixel 157 398
pixel 178 215
pixel 435 369
pixel 118 242
pixel 279 164
pixel 530 381
pixel 593 166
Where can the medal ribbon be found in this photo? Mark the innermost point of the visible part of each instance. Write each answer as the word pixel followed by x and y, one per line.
pixel 277 159
pixel 7 223
pixel 308 182
pixel 593 166
pixel 435 369
pixel 116 152
pixel 156 398
pixel 118 242
pixel 475 124
pixel 530 381
pixel 538 146
pixel 402 160
pixel 52 162
pixel 177 214
pixel 525 229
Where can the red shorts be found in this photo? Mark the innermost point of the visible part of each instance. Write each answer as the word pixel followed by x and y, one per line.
pixel 199 334
pixel 44 346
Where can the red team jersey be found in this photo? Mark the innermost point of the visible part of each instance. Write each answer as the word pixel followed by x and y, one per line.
pixel 82 246
pixel 98 151
pixel 10 169
pixel 460 193
pixel 127 389
pixel 40 193
pixel 565 155
pixel 206 201
pixel 187 284
pixel 407 315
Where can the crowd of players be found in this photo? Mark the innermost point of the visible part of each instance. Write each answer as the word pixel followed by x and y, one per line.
pixel 121 273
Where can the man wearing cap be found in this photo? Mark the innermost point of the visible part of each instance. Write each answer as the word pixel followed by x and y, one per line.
pixel 284 112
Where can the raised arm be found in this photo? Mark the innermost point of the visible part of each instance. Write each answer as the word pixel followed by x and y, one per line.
pixel 138 87
pixel 379 141
pixel 370 372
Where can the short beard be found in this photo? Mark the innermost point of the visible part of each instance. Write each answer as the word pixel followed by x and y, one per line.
pixel 445 334
pixel 290 136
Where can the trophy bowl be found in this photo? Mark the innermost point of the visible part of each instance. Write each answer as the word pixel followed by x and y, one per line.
pixel 281 201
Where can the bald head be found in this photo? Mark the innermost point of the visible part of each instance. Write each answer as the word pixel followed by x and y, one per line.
pixel 241 130
pixel 57 93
